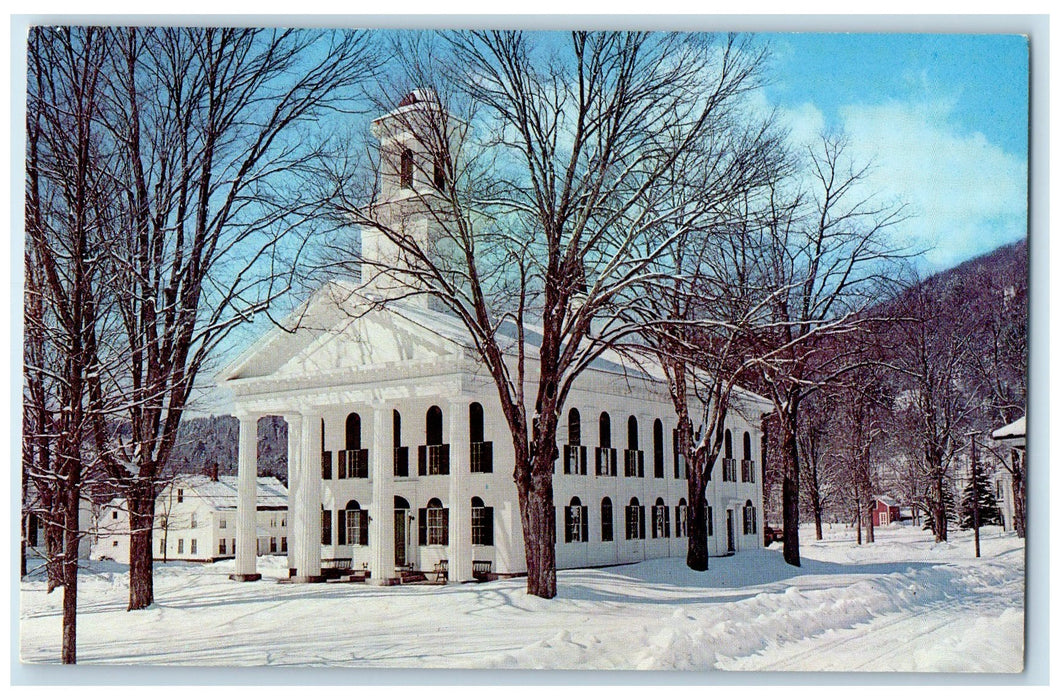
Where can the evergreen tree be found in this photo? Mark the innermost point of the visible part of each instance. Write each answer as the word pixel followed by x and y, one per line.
pixel 988 510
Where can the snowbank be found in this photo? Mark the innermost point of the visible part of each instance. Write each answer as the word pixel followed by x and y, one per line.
pixel 902 604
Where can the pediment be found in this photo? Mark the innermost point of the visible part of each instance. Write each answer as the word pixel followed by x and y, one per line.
pixel 337 331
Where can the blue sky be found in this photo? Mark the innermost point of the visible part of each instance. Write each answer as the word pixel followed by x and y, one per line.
pixel 943 117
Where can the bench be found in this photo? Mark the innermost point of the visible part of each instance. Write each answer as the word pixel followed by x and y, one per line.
pixel 481 570
pixel 441 571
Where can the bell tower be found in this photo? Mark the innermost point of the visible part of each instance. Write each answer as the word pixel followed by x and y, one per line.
pixel 417 142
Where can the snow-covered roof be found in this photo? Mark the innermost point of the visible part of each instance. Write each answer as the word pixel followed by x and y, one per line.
pixel 340 328
pixel 1013 431
pixel 223 494
pixel 886 500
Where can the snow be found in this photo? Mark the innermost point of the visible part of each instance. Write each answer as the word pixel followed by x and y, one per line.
pixel 902 603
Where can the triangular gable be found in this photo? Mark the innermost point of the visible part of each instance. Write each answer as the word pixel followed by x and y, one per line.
pixel 337 330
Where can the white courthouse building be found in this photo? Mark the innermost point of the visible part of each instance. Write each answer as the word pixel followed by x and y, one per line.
pixel 399 457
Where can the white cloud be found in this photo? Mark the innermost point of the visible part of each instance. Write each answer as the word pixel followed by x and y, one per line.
pixel 966 194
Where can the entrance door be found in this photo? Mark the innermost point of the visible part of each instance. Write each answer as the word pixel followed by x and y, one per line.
pixel 730 531
pixel 400 536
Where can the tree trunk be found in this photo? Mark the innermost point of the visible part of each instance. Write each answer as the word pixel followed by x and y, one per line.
pixel 539 530
pixel 72 537
pixel 789 457
pixel 1019 503
pixel 141 503
pixel 53 548
pixel 698 545
pixel 938 507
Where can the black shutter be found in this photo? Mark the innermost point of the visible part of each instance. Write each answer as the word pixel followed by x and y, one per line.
pixel 654 522
pixel 421 454
pixel 364 527
pixel 445 526
pixel 325 527
pixel 423 526
pixel 585 524
pixel 567 524
pixel 342 527
pixel 642 522
pixel 487 526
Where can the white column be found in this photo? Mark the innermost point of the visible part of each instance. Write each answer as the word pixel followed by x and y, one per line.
pixel 459 498
pixel 294 489
pixel 381 525
pixel 247 504
pixel 309 497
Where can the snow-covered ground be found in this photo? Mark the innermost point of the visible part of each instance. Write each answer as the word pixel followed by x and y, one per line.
pixel 900 604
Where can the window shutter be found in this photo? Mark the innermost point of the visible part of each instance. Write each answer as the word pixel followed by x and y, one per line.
pixel 423 526
pixel 567 524
pixel 364 527
pixel 487 526
pixel 642 522
pixel 445 526
pixel 421 454
pixel 342 527
pixel 654 522
pixel 325 527
pixel 585 524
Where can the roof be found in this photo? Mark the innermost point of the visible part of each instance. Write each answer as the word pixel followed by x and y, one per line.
pixel 1013 431
pixel 223 494
pixel 886 500
pixel 340 313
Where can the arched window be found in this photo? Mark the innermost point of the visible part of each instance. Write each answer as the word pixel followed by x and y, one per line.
pixel 434 523
pixel 353 432
pixel 406 169
pixel 439 173
pixel 434 426
pixel 325 456
pixel 401 503
pixel 353 461
pixel 576 522
pixel 657 448
pixel 475 422
pixel 605 430
pixel 681 519
pixel 747 446
pixel 607 520
pixel 574 427
pixel 353 524
pixel 728 444
pixel 634 520
pixel 401 454
pixel 660 519
pixel 750 519
pixel 632 441
pixel 481 523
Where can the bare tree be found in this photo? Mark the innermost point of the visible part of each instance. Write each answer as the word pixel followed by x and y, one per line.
pixel 704 304
pixel 537 163
pixel 212 161
pixel 825 252
pixel 821 470
pixel 941 393
pixel 67 218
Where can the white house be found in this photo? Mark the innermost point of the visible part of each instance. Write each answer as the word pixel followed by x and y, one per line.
pixel 1013 437
pixel 195 520
pixel 399 456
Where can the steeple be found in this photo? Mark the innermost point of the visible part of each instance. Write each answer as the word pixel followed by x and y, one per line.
pixel 417 142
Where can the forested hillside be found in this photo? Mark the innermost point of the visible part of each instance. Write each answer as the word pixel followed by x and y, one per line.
pixel 214 439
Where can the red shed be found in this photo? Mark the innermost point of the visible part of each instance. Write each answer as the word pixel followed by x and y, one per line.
pixel 884 511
